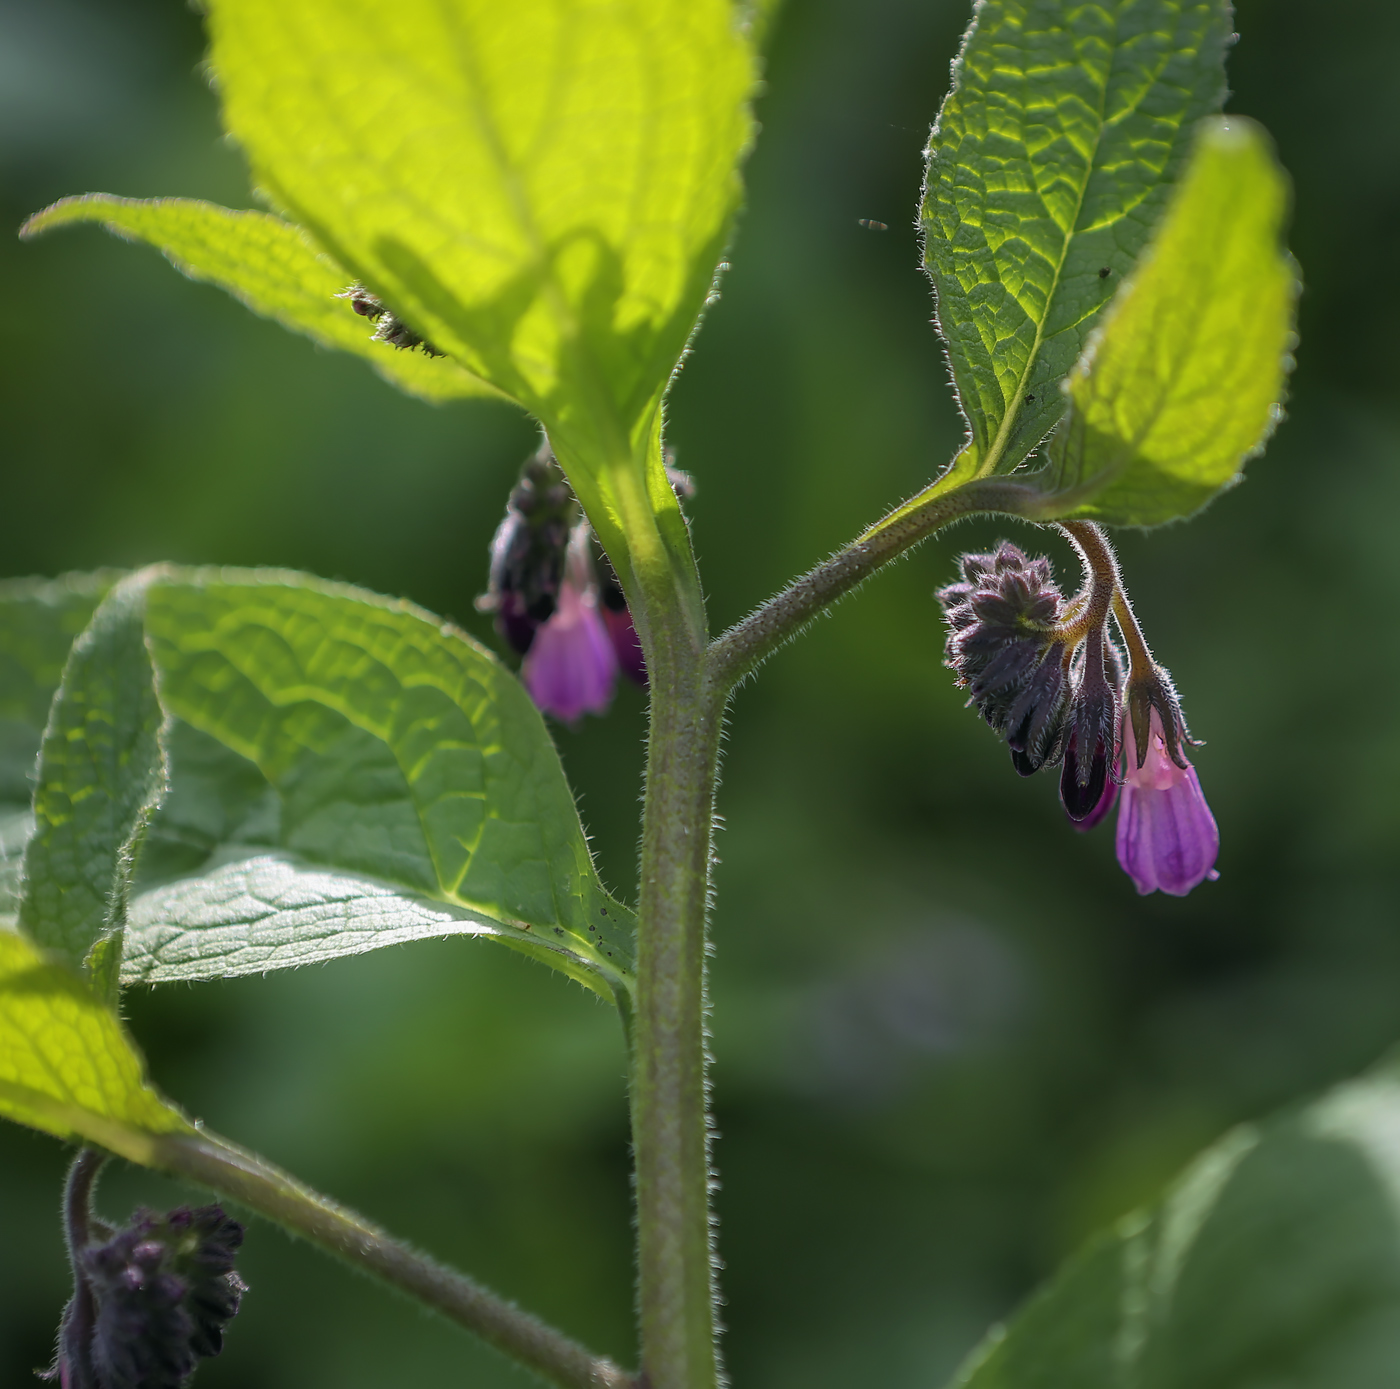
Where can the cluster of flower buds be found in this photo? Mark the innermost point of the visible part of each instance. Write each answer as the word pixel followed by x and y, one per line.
pixel 152 1299
pixel 557 599
pixel 1053 684
pixel 389 327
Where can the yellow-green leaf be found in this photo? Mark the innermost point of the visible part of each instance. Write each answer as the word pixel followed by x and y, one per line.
pixel 1185 380
pixel 66 1065
pixel 541 188
pixel 270 265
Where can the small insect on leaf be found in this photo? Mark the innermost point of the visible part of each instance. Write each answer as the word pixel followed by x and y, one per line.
pixel 390 328
pixel 1105 273
pixel 870 224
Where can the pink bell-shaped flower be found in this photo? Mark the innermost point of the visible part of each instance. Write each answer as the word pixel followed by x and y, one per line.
pixel 1167 837
pixel 571 667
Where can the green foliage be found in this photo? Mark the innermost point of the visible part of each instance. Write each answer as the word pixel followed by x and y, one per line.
pixel 100 776
pixel 1184 380
pixel 272 267
pixel 1274 1260
pixel 352 773
pixel 1049 165
pixel 39 620
pixel 542 191
pixel 65 1064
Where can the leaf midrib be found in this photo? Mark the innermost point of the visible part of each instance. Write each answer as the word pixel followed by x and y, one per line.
pixel 1009 420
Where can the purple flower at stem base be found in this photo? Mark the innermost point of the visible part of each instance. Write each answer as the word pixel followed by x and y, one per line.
pixel 1167 837
pixel 570 668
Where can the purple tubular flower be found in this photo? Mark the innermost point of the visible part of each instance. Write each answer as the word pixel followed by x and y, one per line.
pixel 1167 837
pixel 571 667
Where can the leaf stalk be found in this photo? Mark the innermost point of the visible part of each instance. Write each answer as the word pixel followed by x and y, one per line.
pixel 213 1162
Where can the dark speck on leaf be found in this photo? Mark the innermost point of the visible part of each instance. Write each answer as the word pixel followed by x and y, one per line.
pixel 1105 273
pixel 1030 400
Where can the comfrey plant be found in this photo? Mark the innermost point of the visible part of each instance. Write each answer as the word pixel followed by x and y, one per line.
pixel 218 772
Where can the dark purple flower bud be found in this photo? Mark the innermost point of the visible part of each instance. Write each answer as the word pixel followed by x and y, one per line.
pixel 164 1289
pixel 1091 730
pixel 1001 619
pixel 1035 722
pixel 528 551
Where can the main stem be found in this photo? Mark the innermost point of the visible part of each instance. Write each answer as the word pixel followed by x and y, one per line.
pixel 670 1125
pixel 690 685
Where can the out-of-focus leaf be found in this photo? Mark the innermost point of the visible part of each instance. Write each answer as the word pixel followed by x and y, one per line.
pixel 100 776
pixel 273 268
pixel 541 188
pixel 1275 1260
pixel 348 773
pixel 1050 163
pixel 1185 379
pixel 66 1066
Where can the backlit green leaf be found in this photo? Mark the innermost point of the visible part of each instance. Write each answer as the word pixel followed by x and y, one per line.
pixel 100 776
pixel 348 773
pixel 1049 165
pixel 273 268
pixel 1185 380
pixel 1275 1260
pixel 66 1066
pixel 541 188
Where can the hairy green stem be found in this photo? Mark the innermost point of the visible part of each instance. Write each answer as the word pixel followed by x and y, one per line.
pixel 745 646
pixel 670 1125
pixel 690 687
pixel 212 1162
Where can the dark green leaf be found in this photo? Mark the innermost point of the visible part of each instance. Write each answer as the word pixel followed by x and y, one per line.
pixel 349 772
pixel 1050 164
pixel 100 776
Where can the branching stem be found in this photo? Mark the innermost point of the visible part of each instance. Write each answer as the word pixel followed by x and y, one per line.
pixel 242 1176
pixel 742 648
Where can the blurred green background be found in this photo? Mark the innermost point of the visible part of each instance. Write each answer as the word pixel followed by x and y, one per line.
pixel 950 1040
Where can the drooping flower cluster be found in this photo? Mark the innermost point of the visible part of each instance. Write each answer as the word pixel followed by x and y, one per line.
pixel 152 1299
pixel 572 627
pixel 1045 674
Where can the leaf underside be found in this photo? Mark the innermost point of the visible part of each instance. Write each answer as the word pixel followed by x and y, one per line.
pixel 1050 163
